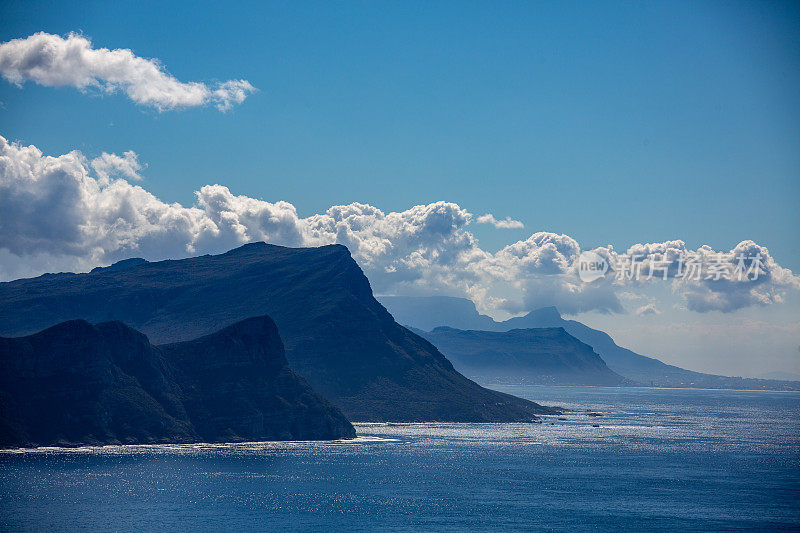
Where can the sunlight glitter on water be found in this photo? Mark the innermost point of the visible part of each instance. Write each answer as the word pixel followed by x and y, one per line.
pixel 195 448
pixel 674 460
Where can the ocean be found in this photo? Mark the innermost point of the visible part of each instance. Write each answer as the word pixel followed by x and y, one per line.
pixel 655 459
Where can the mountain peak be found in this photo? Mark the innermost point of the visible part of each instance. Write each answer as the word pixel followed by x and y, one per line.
pixel 545 313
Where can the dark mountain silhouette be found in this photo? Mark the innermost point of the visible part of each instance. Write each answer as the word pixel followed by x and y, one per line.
pixel 336 334
pixel 429 313
pixel 121 265
pixel 534 356
pixel 75 383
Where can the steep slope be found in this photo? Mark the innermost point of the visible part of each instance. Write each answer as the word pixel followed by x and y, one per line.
pixel 336 334
pixel 631 365
pixel 75 383
pixel 539 356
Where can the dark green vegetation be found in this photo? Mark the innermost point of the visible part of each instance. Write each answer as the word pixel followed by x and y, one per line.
pixel 337 336
pixel 531 356
pixel 427 313
pixel 75 383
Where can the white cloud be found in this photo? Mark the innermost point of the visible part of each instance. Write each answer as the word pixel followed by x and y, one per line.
pixel 69 213
pixel 55 61
pixel 231 92
pixel 108 165
pixel 704 293
pixel 507 223
pixel 649 309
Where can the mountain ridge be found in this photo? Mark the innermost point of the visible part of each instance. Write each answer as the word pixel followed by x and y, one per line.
pixel 523 356
pixel 76 383
pixel 337 336
pixel 639 368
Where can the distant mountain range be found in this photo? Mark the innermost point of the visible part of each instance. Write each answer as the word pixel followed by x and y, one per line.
pixel 75 384
pixel 428 313
pixel 783 376
pixel 337 336
pixel 523 356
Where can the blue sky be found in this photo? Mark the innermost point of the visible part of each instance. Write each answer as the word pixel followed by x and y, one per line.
pixel 612 123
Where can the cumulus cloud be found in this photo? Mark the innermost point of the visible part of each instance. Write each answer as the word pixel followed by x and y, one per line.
pixel 712 280
pixel 55 61
pixel 71 213
pixel 108 165
pixel 507 223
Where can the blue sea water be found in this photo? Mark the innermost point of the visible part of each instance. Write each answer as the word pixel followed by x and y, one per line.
pixel 659 459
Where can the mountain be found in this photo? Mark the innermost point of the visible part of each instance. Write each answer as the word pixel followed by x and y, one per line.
pixel 429 312
pixel 534 356
pixel 337 336
pixel 782 376
pixel 636 367
pixel 76 383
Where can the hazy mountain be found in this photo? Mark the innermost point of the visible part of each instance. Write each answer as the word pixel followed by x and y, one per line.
pixel 75 383
pixel 336 334
pixel 534 356
pixel 428 313
pixel 783 376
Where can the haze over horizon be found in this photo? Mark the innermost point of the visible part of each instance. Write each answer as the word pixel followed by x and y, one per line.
pixel 466 152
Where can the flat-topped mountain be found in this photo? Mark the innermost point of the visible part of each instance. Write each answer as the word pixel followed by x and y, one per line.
pixel 428 313
pixel 76 383
pixel 336 334
pixel 534 356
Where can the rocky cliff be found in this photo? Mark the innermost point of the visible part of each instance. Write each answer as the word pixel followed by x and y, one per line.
pixel 76 383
